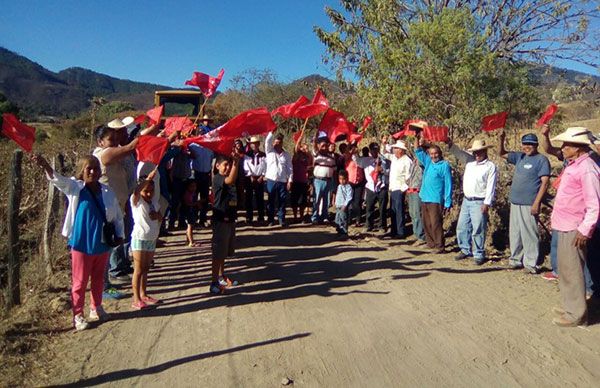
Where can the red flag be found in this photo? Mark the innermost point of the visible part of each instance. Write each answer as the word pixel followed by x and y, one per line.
pixel 151 148
pixel 296 136
pixel 435 133
pixel 548 114
pixel 355 137
pixel 286 111
pixel 335 124
pixel 207 84
pixel 20 133
pixel 493 122
pixel 141 119
pixel 181 124
pixel 375 175
pixel 366 122
pixel 155 114
pixel 400 134
pixel 252 122
pixel 318 105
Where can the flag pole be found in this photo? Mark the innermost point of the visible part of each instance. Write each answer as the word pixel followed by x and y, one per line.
pixel 200 111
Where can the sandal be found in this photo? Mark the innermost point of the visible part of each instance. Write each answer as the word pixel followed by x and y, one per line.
pixel 194 245
pixel 148 300
pixel 139 305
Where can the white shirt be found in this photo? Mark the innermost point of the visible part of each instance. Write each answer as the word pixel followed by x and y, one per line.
pixel 479 179
pixel 144 228
pixel 255 165
pixel 399 172
pixel 279 166
pixel 368 163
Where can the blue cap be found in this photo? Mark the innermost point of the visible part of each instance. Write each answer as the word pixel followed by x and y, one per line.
pixel 529 138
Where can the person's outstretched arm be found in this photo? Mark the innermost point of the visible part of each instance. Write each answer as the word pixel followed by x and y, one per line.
pixel 501 150
pixel 547 145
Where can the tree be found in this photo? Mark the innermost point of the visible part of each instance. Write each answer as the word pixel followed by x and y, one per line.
pixel 7 106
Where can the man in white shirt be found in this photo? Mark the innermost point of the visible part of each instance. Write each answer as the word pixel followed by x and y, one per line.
pixel 255 166
pixel 399 173
pixel 323 171
pixel 479 188
pixel 279 177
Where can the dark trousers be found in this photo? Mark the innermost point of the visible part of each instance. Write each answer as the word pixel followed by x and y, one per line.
pixel 381 199
pixel 277 193
pixel 175 214
pixel 433 223
pixel 255 191
pixel 203 183
pixel 397 213
pixel 356 204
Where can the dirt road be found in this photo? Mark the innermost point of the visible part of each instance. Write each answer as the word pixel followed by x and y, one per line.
pixel 313 310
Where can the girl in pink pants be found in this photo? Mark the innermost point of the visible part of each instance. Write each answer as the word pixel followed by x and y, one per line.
pixel 91 204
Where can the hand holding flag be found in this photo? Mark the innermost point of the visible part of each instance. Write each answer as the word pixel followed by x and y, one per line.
pixel 151 148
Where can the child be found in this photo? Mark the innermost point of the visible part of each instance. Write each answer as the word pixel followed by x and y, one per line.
pixel 90 205
pixel 146 227
pixel 223 221
pixel 343 197
pixel 190 210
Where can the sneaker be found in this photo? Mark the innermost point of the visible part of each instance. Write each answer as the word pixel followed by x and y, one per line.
pixel 150 300
pixel 216 289
pixel 480 261
pixel 227 282
pixel 461 256
pixel 120 279
pixel 564 322
pixel 98 315
pixel 532 271
pixel 139 305
pixel 514 266
pixel 550 276
pixel 80 322
pixel 419 243
pixel 112 293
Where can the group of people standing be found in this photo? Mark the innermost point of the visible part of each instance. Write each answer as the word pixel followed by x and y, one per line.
pixel 142 200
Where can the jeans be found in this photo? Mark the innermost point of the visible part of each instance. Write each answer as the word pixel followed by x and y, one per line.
pixel 321 199
pixel 277 191
pixel 397 216
pixel 471 229
pixel 255 190
pixel 414 209
pixel 381 198
pixel 341 219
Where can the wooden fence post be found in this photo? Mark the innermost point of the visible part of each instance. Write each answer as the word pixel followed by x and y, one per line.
pixel 14 202
pixel 51 217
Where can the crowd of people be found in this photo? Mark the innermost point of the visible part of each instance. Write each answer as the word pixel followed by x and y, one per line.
pixel 118 207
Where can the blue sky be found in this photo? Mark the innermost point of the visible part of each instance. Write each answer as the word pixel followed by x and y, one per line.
pixel 165 41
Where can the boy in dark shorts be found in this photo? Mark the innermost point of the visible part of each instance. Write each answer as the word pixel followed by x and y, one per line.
pixel 223 220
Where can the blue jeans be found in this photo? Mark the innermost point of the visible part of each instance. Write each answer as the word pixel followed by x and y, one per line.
pixel 414 209
pixel 593 255
pixel 471 229
pixel 277 191
pixel 397 210
pixel 341 219
pixel 320 199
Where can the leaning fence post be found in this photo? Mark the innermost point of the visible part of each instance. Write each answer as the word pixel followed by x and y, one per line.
pixel 50 221
pixel 14 202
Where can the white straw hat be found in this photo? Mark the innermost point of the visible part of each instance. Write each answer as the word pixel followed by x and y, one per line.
pixel 577 135
pixel 399 144
pixel 478 145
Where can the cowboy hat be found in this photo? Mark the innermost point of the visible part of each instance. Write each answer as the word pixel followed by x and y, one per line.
pixel 206 118
pixel 254 139
pixel 478 145
pixel 399 144
pixel 116 124
pixel 577 135
pixel 418 124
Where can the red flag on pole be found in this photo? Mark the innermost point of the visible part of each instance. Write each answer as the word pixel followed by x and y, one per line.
pixel 366 122
pixel 181 124
pixel 206 83
pixel 155 114
pixel 548 114
pixel 296 136
pixel 435 133
pixel 335 124
pixel 151 148
pixel 318 105
pixel 220 140
pixel 493 122
pixel 20 133
pixel 286 111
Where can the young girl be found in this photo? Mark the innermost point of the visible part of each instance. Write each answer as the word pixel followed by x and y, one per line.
pixel 146 227
pixel 90 205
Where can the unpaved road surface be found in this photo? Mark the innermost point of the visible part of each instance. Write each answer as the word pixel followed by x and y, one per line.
pixel 314 310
